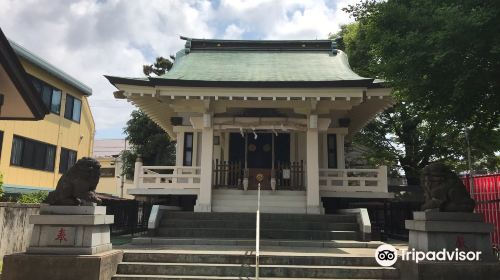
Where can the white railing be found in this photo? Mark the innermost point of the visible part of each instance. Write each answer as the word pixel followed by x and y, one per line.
pixel 353 180
pixel 167 177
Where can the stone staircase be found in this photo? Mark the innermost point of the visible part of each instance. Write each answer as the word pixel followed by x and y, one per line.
pixel 221 246
pixel 273 226
pixel 291 202
pixel 158 265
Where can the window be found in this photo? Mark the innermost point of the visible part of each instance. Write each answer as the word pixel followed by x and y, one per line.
pixel 67 160
pixel 332 150
pixel 51 96
pixel 188 149
pixel 32 154
pixel 73 108
pixel 107 172
pixel 1 143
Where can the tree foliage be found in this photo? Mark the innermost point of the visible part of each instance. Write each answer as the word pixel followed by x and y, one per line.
pixel 434 82
pixel 442 55
pixel 148 140
pixel 159 67
pixel 33 197
pixel 146 137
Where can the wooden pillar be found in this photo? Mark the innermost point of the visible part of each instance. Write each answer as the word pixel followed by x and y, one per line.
pixel 312 171
pixel 179 149
pixel 195 152
pixel 340 151
pixel 204 201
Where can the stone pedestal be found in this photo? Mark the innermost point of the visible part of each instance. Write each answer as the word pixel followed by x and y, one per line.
pixel 435 231
pixel 411 270
pixel 68 242
pixel 61 267
pixel 71 230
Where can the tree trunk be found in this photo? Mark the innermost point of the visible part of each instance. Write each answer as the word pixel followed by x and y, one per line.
pixel 412 175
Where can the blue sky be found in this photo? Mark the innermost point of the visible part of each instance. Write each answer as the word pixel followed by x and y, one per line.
pixel 91 38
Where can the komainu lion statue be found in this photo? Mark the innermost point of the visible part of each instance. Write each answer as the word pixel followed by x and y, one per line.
pixel 77 186
pixel 444 191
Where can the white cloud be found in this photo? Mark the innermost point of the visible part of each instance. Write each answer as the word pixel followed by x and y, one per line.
pixel 90 38
pixel 233 32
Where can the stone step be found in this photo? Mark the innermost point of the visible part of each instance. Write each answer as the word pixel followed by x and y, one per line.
pixel 250 233
pixel 264 196
pixel 263 193
pixel 253 201
pixel 251 242
pixel 181 277
pixel 238 270
pixel 248 259
pixel 250 224
pixel 264 209
pixel 271 202
pixel 265 216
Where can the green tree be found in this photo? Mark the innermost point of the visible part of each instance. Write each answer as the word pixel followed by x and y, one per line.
pixel 159 67
pixel 410 134
pixel 444 56
pixel 145 136
pixel 148 140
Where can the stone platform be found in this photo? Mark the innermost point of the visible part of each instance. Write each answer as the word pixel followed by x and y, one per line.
pixel 71 230
pixel 61 267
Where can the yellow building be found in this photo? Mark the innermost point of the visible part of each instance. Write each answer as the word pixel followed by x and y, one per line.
pixel 34 155
pixel 108 153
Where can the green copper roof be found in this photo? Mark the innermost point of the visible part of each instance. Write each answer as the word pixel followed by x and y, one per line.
pixel 51 69
pixel 257 63
pixel 261 66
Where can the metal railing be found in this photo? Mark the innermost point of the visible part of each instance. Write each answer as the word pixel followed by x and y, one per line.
pixel 257 235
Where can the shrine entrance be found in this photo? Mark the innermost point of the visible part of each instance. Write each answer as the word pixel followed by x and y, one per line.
pixel 260 152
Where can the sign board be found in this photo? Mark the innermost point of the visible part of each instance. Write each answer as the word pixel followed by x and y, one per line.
pixel 286 173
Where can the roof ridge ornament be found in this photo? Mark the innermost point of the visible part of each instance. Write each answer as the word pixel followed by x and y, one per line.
pixel 334 47
pixel 187 46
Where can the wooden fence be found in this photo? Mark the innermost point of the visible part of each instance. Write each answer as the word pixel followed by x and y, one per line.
pixel 290 175
pixel 228 174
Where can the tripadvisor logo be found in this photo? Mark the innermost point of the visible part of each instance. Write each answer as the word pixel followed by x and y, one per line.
pixel 387 255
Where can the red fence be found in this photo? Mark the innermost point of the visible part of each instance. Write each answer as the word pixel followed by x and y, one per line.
pixel 487 197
